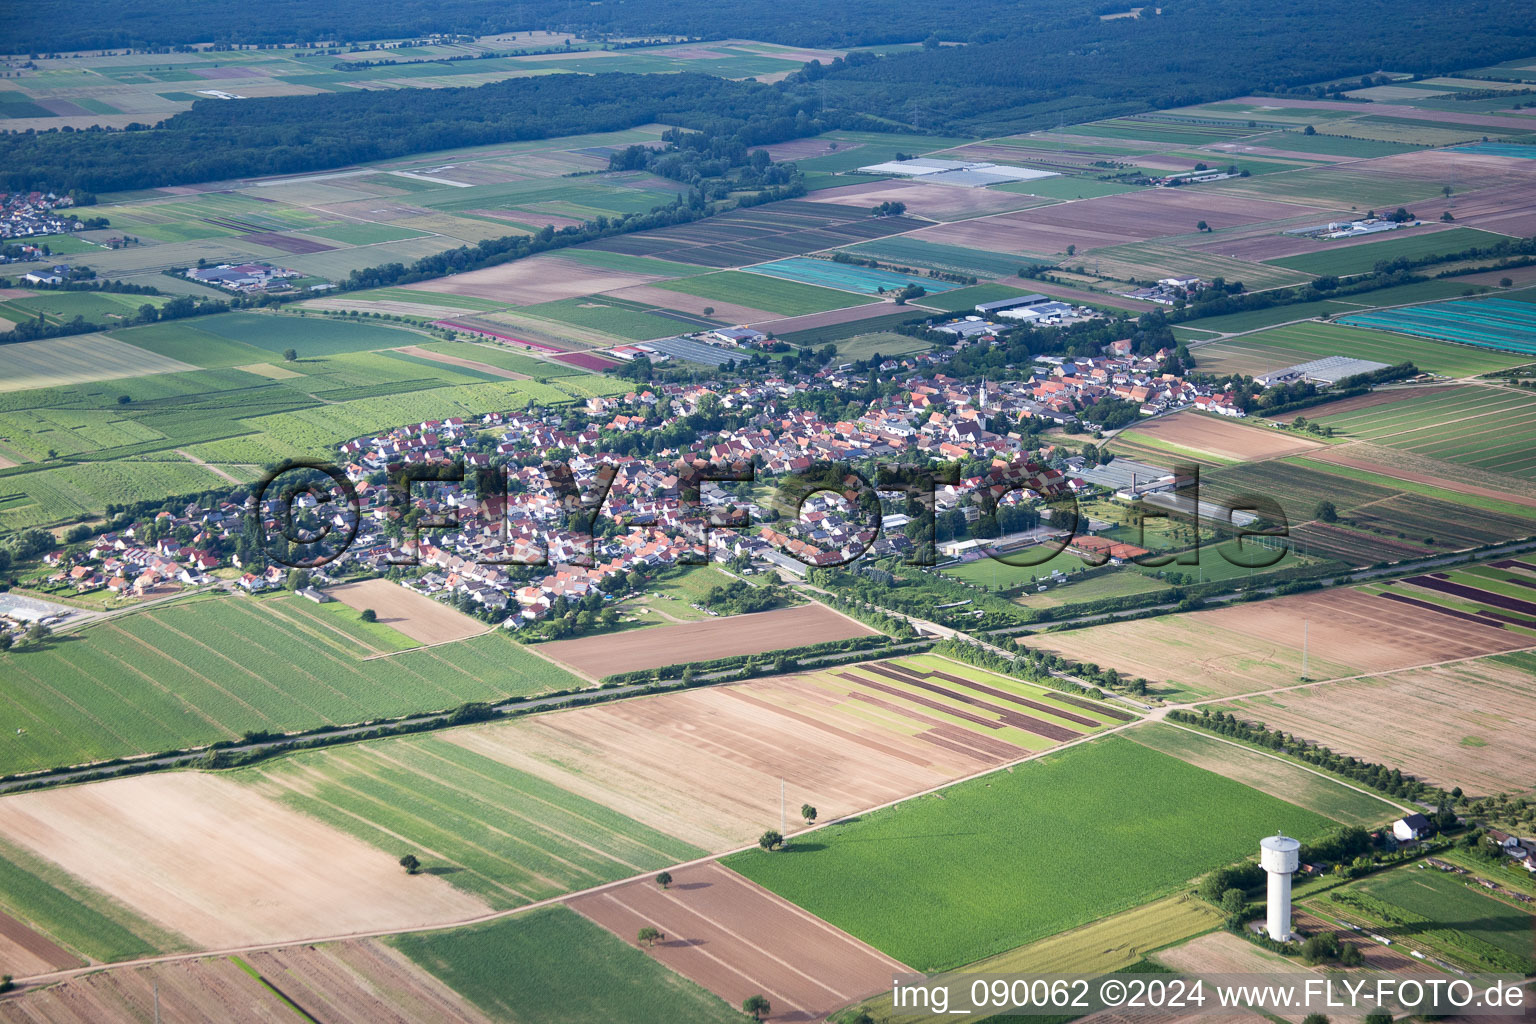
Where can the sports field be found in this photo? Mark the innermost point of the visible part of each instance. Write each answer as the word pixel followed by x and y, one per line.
pixel 212 668
pixel 926 859
pixel 1279 347
pixel 1343 260
pixel 496 833
pixel 1488 323
pixel 788 298
pixel 1486 428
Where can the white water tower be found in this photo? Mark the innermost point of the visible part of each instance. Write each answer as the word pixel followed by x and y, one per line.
pixel 1278 857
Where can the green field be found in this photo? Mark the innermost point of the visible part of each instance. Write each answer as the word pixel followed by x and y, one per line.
pixel 86 920
pixel 1011 857
pixel 186 341
pixel 553 966
pixel 1342 260
pixel 1421 905
pixel 1278 777
pixel 614 316
pixel 1347 187
pixel 789 298
pixel 211 668
pixel 1299 343
pixel 491 830
pixel 503 357
pixel 1136 261
pixel 1252 320
pixel 965 300
pixel 953 259
pixel 885 343
pixel 1493 429
pixel 310 336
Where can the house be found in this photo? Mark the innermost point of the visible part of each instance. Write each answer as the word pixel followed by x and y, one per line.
pixel 1411 826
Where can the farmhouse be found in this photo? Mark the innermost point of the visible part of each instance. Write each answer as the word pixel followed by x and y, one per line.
pixel 1411 827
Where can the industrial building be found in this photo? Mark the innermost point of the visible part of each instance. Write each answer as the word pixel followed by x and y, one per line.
pixel 965 173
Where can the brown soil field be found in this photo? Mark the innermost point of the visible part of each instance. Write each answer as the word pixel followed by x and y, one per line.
pixel 704 765
pixel 1521 276
pixel 737 939
pixel 1253 647
pixel 699 641
pixel 1467 724
pixel 1224 437
pixel 1224 953
pixel 1377 956
pixel 692 304
pixel 418 617
pixel 1419 469
pixel 392 306
pixel 24 952
pixel 1383 396
pixel 935 202
pixel 539 279
pixel 470 364
pixel 362 982
pixel 219 863
pixel 1112 220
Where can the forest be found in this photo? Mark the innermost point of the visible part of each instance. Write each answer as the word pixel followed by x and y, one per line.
pixel 217 140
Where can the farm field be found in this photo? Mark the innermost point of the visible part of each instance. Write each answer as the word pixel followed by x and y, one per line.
pixel 567 969
pixel 206 669
pixel 923 859
pixel 758 633
pixel 1142 260
pixel 737 939
pixel 1246 648
pixel 311 336
pixel 787 298
pixel 420 618
pixel 904 250
pixel 349 983
pixel 1446 720
pixel 1422 906
pixel 1490 323
pixel 884 343
pixel 1484 428
pixel 81 359
pixel 1222 437
pixel 219 864
pixel 1120 583
pixel 1391 468
pixel 493 833
pixel 847 276
pixel 1343 260
pixel 842 739
pixel 1254 319
pixel 1279 347
pixel 1278 777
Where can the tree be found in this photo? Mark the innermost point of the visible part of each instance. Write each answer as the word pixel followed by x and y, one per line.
pixel 757 1006
pixel 1326 512
pixel 931 43
pixel 368 615
pixel 123 399
pixel 770 840
pixel 6 984
pixel 410 863
pixel 294 581
pixel 290 355
pixel 1378 1017
pixel 649 936
pixel 709 310
pixel 1446 217
pixel 664 879
pixel 808 813
pixel 1202 226
pixel 38 633
pixel 1350 955
pixel 1309 130
pixel 1315 1018
pixel 1320 947
pixel 1232 902
pixel 1505 282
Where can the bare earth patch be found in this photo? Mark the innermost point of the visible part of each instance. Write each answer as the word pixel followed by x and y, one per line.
pixel 540 279
pixel 700 641
pixel 418 617
pixel 221 864
pixel 1224 437
pixel 737 939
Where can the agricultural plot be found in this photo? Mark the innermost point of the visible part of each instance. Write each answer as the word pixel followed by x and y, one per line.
pixel 81 359
pixel 1154 260
pixel 787 298
pixel 568 969
pixel 1359 259
pixel 1425 907
pixel 841 740
pixel 1276 776
pixel 1487 323
pixel 965 300
pixel 184 342
pixel 738 940
pixel 493 832
pixel 904 250
pixel 882 343
pixel 757 633
pixel 310 336
pixel 1388 467
pixel 1356 188
pixel 1278 347
pixel 221 865
pixel 921 860
pixel 1446 720
pixel 212 668
pixel 1485 428
pixel 420 618
pixel 1247 648
pixel 848 277
pixel 1222 437
pixel 622 318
